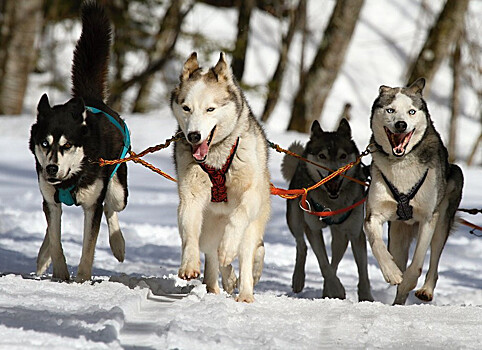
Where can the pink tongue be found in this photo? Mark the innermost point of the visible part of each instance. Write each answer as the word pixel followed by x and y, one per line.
pixel 199 152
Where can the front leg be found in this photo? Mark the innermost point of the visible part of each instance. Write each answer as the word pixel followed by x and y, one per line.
pixel 413 272
pixel 190 218
pixel 53 214
pixel 374 231
pixel 92 217
pixel 234 232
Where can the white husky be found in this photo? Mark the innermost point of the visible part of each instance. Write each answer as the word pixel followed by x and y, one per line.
pixel 223 177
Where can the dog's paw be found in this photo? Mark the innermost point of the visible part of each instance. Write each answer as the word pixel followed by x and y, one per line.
pixel 424 295
pixel 298 282
pixel 117 245
pixel 392 273
pixel 213 290
pixel 82 277
pixel 61 273
pixel 189 270
pixel 245 298
pixel 332 288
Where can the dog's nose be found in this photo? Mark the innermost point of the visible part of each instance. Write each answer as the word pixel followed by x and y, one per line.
pixel 52 169
pixel 401 126
pixel 194 137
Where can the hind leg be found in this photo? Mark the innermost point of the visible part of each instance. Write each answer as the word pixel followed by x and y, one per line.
pixel 115 201
pixel 294 218
pixel 229 279
pixel 400 236
pixel 359 248
pixel 43 257
pixel 258 263
pixel 211 272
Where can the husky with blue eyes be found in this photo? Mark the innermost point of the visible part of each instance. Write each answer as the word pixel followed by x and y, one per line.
pixel 224 188
pixel 414 188
pixel 67 141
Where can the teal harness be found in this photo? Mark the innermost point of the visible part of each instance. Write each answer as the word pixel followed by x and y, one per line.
pixel 66 195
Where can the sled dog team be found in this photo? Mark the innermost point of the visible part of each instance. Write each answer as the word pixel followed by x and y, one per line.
pixel 224 181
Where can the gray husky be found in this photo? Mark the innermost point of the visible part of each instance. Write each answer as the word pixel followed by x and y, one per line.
pixel 414 188
pixel 224 189
pixel 332 150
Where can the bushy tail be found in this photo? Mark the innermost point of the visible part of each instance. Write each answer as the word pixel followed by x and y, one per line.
pixel 290 163
pixel 91 54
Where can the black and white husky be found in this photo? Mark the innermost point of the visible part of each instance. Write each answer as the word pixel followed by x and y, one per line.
pixel 67 141
pixel 331 150
pixel 414 188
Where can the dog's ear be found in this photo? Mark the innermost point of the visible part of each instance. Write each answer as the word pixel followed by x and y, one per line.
pixel 316 128
pixel 77 109
pixel 383 89
pixel 417 86
pixel 43 107
pixel 221 70
pixel 189 67
pixel 344 128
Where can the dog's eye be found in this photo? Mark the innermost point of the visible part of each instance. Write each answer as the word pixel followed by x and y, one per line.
pixel 321 156
pixel 390 110
pixel 412 112
pixel 343 156
pixel 44 144
pixel 210 109
pixel 67 145
pixel 186 108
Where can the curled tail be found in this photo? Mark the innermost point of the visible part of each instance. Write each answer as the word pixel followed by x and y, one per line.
pixel 91 54
pixel 290 163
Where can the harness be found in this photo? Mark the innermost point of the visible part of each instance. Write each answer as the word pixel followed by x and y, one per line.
pixel 67 195
pixel 329 220
pixel 219 192
pixel 404 209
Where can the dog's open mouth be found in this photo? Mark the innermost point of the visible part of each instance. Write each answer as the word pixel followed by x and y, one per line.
pixel 398 141
pixel 200 151
pixel 333 186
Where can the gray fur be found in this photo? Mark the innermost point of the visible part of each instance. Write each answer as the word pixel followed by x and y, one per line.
pixel 434 205
pixel 338 149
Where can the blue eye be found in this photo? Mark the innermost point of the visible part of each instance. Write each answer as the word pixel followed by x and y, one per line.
pixel 210 109
pixel 390 110
pixel 412 112
pixel 44 144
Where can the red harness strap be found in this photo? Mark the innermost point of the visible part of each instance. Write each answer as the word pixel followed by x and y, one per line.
pixel 218 177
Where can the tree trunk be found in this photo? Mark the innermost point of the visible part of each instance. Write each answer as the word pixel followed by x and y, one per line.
pixel 21 22
pixel 166 39
pixel 439 41
pixel 245 7
pixel 312 94
pixel 455 103
pixel 274 86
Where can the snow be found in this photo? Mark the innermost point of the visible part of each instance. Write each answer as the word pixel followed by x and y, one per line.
pixel 142 304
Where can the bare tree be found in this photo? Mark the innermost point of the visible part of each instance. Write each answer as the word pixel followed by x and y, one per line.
pixel 438 45
pixel 20 22
pixel 245 7
pixel 313 92
pixel 455 101
pixel 297 20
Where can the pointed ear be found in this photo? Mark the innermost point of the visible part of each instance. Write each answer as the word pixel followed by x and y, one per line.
pixel 417 86
pixel 222 70
pixel 384 89
pixel 344 128
pixel 316 128
pixel 77 107
pixel 43 107
pixel 189 67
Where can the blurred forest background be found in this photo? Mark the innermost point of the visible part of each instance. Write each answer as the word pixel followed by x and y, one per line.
pixel 152 30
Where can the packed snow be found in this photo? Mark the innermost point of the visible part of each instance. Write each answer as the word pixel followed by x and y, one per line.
pixel 142 304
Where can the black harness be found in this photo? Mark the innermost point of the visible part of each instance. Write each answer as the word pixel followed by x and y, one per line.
pixel 404 209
